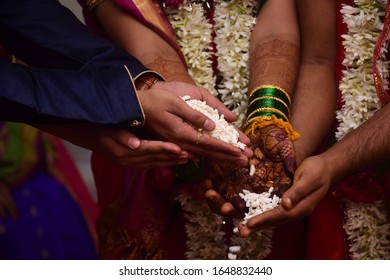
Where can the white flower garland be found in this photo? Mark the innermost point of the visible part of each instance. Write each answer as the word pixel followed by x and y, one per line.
pixel 194 37
pixel 368 228
pixel 234 21
pixel 205 237
pixel 366 225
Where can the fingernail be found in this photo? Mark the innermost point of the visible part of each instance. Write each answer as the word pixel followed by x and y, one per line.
pixel 287 203
pixel 184 155
pixel 133 143
pixel 208 125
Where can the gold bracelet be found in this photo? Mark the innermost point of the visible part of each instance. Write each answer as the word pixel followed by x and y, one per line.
pixel 270 86
pixel 92 3
pixel 145 82
pixel 269 109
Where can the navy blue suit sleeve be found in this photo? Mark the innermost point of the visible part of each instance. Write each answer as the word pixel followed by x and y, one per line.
pixel 83 77
pixel 41 96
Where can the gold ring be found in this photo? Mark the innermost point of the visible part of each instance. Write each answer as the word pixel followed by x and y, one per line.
pixel 199 136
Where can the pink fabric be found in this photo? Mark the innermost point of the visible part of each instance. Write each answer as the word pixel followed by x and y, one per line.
pixel 167 34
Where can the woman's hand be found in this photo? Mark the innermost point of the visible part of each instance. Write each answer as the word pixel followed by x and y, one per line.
pixel 274 146
pixel 311 183
pixel 271 166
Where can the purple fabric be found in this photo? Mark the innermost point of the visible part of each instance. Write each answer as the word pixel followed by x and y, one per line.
pixel 50 224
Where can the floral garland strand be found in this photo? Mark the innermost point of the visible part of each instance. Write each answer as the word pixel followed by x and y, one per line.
pixel 194 37
pixel 234 22
pixel 368 229
pixel 206 238
pixel 366 225
pixel 357 84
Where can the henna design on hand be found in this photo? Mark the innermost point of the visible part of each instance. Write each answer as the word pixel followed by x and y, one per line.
pixel 274 62
pixel 278 147
pixel 171 70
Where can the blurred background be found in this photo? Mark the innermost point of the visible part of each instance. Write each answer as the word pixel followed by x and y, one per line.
pixel 81 156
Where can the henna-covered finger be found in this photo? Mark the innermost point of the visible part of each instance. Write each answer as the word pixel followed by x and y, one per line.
pixel 288 158
pixel 283 184
pixel 205 186
pixel 228 209
pixel 278 147
pixel 259 174
pixel 239 204
pixel 215 201
pixel 232 195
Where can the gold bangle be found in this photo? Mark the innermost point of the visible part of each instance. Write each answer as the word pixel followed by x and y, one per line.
pixel 92 3
pixel 270 97
pixel 271 86
pixel 269 109
pixel 266 118
pixel 145 82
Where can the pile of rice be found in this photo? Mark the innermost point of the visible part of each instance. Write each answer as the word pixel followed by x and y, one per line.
pixel 256 203
pixel 223 131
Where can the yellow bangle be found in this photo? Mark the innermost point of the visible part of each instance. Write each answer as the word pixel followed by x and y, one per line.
pixel 270 97
pixel 259 122
pixel 268 109
pixel 271 86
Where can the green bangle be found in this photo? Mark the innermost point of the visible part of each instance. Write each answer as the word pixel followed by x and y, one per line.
pixel 270 97
pixel 270 90
pixel 269 102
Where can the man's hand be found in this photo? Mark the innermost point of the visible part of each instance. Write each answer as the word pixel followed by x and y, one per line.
pixel 171 119
pixel 121 146
pixel 311 183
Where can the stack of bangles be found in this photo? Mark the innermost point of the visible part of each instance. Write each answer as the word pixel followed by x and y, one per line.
pixel 269 105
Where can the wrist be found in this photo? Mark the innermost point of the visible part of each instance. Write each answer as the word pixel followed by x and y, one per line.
pixel 146 80
pixel 269 105
pixel 336 165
